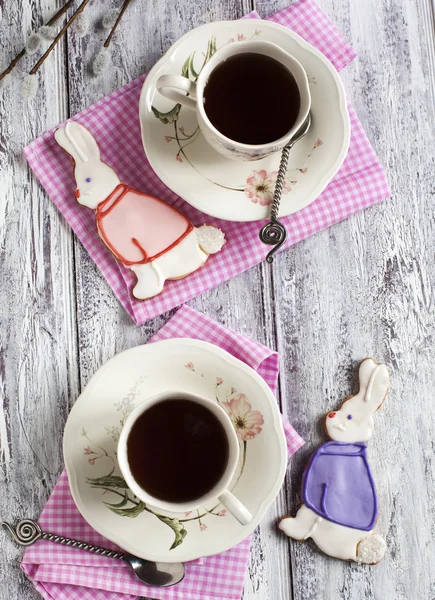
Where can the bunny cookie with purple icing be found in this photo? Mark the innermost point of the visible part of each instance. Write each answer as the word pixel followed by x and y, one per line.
pixel 340 508
pixel 156 241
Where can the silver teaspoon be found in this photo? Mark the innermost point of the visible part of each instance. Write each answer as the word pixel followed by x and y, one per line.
pixel 274 233
pixel 159 574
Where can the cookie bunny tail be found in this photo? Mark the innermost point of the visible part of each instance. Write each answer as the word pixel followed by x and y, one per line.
pixel 371 549
pixel 210 238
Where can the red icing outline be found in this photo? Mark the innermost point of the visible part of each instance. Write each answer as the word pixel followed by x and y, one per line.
pixel 100 212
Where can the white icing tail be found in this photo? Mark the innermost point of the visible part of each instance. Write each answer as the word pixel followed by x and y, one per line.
pixel 210 238
pixel 371 549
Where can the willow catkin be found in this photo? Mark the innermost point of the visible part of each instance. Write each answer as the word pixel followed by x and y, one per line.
pixel 29 86
pixel 34 43
pixel 101 61
pixel 81 24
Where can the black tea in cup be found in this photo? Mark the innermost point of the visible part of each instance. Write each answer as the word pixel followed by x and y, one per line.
pixel 252 98
pixel 177 450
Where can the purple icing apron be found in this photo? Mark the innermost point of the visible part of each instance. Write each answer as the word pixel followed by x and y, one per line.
pixel 338 485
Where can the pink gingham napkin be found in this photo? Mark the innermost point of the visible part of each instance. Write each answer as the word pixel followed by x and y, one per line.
pixel 114 122
pixel 62 573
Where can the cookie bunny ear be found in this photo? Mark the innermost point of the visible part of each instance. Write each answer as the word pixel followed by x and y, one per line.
pixel 374 382
pixel 78 142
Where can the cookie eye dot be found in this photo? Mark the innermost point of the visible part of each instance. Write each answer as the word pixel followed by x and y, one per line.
pixel 349 417
pixel 88 180
pixel 331 415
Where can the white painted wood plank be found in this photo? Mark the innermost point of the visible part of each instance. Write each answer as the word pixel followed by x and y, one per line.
pixel 38 348
pixel 365 287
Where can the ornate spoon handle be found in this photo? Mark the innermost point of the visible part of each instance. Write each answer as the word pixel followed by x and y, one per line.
pixel 274 233
pixel 27 532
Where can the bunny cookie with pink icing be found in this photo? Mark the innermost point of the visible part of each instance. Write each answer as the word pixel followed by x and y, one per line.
pixel 340 508
pixel 150 237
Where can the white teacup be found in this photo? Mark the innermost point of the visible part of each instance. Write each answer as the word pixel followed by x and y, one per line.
pixel 175 87
pixel 220 490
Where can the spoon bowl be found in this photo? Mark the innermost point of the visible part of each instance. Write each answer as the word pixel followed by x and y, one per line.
pixel 157 574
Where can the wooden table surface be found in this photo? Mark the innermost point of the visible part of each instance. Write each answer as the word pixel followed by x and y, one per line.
pixel 363 287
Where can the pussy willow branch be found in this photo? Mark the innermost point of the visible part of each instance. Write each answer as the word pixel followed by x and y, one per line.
pixel 59 35
pixel 52 21
pixel 118 20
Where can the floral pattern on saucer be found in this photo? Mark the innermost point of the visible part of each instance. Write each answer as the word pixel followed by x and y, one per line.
pixel 127 380
pixel 260 185
pixel 120 500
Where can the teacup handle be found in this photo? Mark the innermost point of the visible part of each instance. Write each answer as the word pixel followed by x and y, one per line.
pixel 170 86
pixel 235 507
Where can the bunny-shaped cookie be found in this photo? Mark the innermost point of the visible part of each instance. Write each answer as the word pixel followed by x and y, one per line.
pixel 144 233
pixel 340 507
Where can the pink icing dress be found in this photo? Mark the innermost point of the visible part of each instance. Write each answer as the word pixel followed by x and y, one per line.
pixel 138 228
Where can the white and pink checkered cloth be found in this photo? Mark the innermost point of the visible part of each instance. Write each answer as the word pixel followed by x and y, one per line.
pixel 62 573
pixel 360 182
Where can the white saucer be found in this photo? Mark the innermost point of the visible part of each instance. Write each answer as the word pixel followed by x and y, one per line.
pixel 93 427
pixel 225 188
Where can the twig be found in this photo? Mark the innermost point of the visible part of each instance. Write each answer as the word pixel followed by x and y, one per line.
pixel 19 56
pixel 59 13
pixel 13 63
pixel 59 35
pixel 121 14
